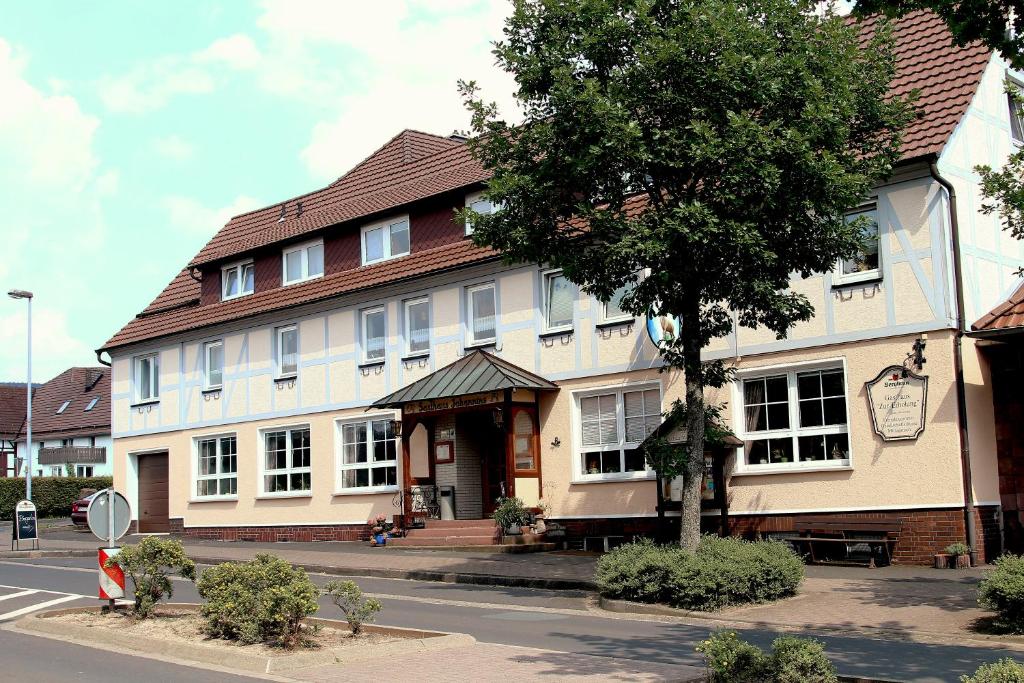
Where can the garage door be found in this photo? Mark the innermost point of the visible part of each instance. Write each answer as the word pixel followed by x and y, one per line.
pixel 153 516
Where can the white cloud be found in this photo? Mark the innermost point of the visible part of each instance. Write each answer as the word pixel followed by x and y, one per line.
pixel 189 215
pixel 174 147
pixel 237 51
pixel 54 347
pixel 148 87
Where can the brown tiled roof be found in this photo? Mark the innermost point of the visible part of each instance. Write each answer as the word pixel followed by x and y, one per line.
pixel 79 386
pixel 414 166
pixel 12 410
pixel 1007 316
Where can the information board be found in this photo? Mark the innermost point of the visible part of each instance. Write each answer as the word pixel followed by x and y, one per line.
pixel 898 399
pixel 25 526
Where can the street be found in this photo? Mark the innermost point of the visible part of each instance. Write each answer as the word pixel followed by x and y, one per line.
pixel 552 620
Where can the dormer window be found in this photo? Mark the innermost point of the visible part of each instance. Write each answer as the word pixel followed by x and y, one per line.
pixel 237 280
pixel 385 240
pixel 63 407
pixel 303 262
pixel 477 202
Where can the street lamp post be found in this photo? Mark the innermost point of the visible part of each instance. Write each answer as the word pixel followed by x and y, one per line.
pixel 22 294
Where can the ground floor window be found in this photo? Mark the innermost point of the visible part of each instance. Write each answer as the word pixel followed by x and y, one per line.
pixel 612 424
pixel 217 471
pixel 83 470
pixel 286 466
pixel 369 454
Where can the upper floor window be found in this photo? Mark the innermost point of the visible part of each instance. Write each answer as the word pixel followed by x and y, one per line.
pixel 385 240
pixel 477 202
pixel 303 262
pixel 482 309
pixel 865 266
pixel 237 280
pixel 287 351
pixel 795 418
pixel 286 467
pixel 217 466
pixel 369 455
pixel 147 377
pixel 1016 106
pixel 213 364
pixel 374 335
pixel 611 311
pixel 613 424
pixel 417 327
pixel 559 297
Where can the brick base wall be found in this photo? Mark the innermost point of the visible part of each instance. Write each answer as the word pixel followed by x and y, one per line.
pixel 922 534
pixel 273 534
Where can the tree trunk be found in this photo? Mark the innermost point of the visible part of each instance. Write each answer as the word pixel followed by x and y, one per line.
pixel 693 473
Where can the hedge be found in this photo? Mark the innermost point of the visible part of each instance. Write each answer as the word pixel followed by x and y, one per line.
pixel 53 496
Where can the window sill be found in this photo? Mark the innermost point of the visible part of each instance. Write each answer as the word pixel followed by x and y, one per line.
pixel 236 296
pixel 383 260
pixel 868 279
pixel 214 499
pixel 566 331
pixel 615 323
pixel 371 364
pixel 367 491
pixel 212 390
pixel 617 478
pixel 300 281
pixel 413 357
pixel 285 378
pixel 290 494
pixel 755 471
pixel 143 404
pixel 490 344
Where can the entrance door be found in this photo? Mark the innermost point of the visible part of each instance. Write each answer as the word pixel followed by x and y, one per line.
pixel 153 513
pixel 493 465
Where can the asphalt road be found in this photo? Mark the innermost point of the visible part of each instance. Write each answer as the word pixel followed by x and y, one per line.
pixel 553 620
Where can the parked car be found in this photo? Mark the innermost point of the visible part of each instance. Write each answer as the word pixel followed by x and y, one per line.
pixel 80 510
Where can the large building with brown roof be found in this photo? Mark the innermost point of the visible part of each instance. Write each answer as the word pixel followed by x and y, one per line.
pixel 13 397
pixel 350 353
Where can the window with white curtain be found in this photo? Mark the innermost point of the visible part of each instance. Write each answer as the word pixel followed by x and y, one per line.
pixel 385 240
pixel 417 327
pixel 374 335
pixel 303 262
pixel 559 297
pixel 147 378
pixel 287 351
pixel 612 425
pixel 612 309
pixel 482 311
pixel 213 353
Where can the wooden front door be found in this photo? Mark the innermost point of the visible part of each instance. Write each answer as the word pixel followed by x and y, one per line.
pixel 153 513
pixel 493 464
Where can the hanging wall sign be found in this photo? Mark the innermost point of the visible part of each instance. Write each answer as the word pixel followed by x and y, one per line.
pixel 898 398
pixel 662 329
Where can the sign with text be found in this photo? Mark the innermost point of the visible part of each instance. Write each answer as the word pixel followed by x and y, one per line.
pixel 898 398
pixel 25 526
pixel 453 403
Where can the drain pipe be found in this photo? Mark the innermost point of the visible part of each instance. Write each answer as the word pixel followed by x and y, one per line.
pixel 958 364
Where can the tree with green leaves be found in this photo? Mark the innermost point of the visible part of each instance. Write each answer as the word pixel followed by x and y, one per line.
pixel 1003 191
pixel 989 21
pixel 693 154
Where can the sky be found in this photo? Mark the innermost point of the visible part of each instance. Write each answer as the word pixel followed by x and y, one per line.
pixel 130 132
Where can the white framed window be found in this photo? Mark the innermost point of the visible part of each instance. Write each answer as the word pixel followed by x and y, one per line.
pixel 865 266
pixel 216 466
pixel 84 470
pixel 237 280
pixel 147 377
pixel 213 364
pixel 477 202
pixel 481 306
pixel 286 461
pixel 793 418
pixel 610 426
pixel 302 262
pixel 92 404
pixel 559 297
pixel 287 351
pixel 417 327
pixel 374 334
pixel 63 407
pixel 367 455
pixel 611 310
pixel 1016 108
pixel 385 240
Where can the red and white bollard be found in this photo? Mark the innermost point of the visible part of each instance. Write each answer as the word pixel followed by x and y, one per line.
pixel 111 578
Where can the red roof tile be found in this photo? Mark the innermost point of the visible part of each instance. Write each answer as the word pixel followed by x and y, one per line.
pixel 414 166
pixel 79 386
pixel 12 410
pixel 1006 316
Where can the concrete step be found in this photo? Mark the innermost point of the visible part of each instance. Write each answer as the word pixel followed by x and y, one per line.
pixel 460 523
pixel 435 541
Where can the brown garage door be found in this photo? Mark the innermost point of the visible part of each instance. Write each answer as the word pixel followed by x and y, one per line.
pixel 153 494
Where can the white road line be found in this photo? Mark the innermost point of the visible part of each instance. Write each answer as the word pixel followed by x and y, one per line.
pixel 18 595
pixel 37 607
pixel 47 590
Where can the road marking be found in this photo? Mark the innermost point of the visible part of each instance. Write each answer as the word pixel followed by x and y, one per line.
pixel 49 566
pixel 38 606
pixel 47 590
pixel 18 595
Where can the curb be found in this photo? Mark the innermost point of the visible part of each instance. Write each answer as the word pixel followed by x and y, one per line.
pixel 39 554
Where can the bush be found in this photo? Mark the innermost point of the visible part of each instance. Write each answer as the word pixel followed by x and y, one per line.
pixel 791 660
pixel 52 496
pixel 260 601
pixel 148 564
pixel 1004 671
pixel 958 549
pixel 723 572
pixel 348 597
pixel 510 512
pixel 1002 591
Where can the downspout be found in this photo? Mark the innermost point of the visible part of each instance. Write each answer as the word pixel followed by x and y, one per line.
pixel 958 363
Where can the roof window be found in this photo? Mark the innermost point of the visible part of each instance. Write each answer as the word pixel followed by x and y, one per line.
pixel 63 407
pixel 92 404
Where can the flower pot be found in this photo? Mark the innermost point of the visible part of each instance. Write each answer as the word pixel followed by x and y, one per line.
pixel 962 561
pixel 379 538
pixel 941 561
pixel 514 530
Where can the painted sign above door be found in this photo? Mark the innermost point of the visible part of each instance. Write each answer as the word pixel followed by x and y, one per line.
pixel 898 398
pixel 453 403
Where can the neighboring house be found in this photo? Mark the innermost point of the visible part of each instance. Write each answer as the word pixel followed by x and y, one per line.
pixel 342 354
pixel 71 426
pixel 13 397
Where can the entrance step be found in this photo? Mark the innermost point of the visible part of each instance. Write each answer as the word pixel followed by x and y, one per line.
pixel 460 524
pixel 436 540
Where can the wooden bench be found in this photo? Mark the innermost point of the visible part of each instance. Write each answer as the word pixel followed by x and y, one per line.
pixel 878 533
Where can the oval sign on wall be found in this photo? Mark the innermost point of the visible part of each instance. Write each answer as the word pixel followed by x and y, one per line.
pixel 663 329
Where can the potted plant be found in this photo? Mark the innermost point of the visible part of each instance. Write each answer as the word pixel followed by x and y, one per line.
pixel 960 555
pixel 510 514
pixel 379 529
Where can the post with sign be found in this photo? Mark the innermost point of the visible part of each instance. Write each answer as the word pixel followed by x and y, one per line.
pixel 25 526
pixel 109 516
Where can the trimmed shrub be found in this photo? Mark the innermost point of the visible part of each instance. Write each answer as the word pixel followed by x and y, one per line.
pixel 1002 591
pixel 723 572
pixel 791 660
pixel 1004 671
pixel 348 597
pixel 149 564
pixel 260 601
pixel 52 496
